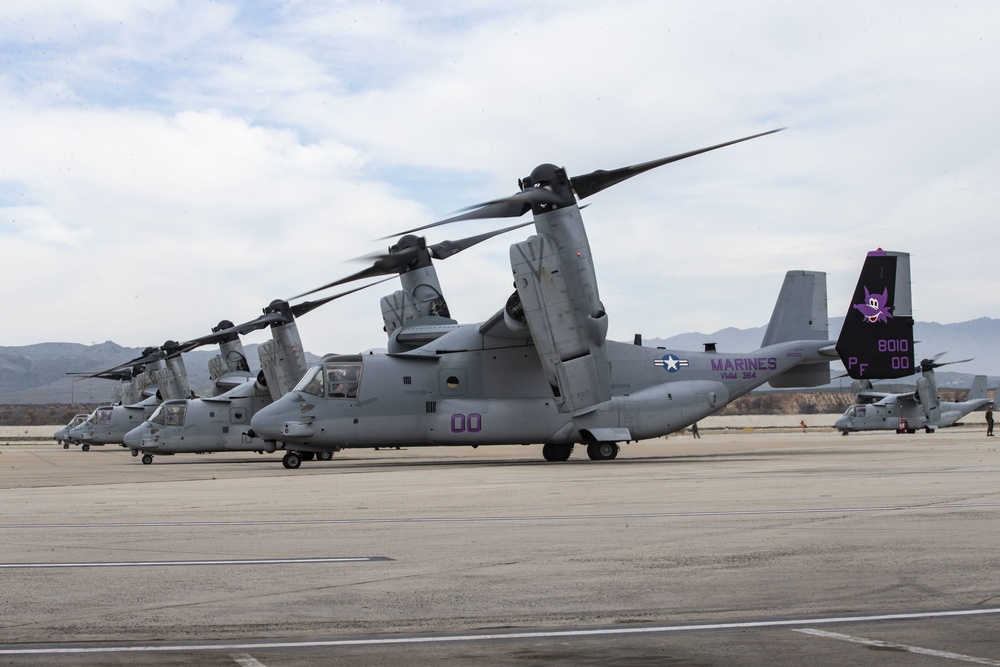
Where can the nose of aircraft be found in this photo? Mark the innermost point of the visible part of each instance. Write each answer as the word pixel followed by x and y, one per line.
pixel 133 439
pixel 841 423
pixel 269 421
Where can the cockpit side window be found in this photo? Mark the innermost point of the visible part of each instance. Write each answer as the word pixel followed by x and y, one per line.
pixel 343 379
pixel 312 382
pixel 174 415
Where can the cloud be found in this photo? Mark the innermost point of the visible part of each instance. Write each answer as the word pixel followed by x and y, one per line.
pixel 193 161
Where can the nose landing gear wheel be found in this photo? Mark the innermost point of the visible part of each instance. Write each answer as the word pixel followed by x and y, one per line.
pixel 291 460
pixel 85 448
pixel 147 459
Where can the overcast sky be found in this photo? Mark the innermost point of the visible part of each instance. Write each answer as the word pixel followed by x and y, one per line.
pixel 166 165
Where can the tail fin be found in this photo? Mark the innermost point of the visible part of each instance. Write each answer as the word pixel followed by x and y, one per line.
pixel 876 341
pixel 978 390
pixel 800 314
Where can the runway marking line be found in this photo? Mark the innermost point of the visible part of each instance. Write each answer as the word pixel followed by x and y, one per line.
pixel 165 563
pixel 247 660
pixel 903 647
pixel 544 634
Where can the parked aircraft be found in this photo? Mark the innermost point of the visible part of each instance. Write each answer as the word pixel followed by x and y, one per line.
pixel 906 412
pixel 221 423
pixel 62 435
pixel 541 370
pixel 157 375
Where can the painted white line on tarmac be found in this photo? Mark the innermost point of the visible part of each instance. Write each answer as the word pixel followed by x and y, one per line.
pixel 481 519
pixel 163 563
pixel 903 647
pixel 545 634
pixel 247 660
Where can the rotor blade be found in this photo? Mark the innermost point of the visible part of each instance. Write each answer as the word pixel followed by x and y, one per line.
pixel 513 206
pixel 930 363
pixel 300 309
pixel 446 249
pixel 595 181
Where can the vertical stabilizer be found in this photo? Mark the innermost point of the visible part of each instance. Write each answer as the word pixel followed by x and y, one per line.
pixel 800 314
pixel 978 390
pixel 877 339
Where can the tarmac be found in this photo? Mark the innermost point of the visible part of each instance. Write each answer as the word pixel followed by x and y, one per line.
pixel 764 546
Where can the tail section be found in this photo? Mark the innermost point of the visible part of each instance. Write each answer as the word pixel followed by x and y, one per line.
pixel 800 314
pixel 877 339
pixel 978 390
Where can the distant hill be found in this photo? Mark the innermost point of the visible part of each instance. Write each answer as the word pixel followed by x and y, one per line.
pixel 37 373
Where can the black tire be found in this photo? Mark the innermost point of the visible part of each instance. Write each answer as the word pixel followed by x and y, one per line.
pixel 85 448
pixel 65 445
pixel 557 452
pixel 147 459
pixel 324 456
pixel 291 460
pixel 602 451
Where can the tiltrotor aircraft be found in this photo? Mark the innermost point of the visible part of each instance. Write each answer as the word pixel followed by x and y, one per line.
pixel 221 423
pixel 62 436
pixel 540 371
pixel 157 375
pixel 907 412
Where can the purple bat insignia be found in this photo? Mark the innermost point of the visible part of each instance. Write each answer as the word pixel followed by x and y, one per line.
pixel 874 308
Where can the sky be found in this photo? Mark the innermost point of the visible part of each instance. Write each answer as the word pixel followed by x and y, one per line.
pixel 167 165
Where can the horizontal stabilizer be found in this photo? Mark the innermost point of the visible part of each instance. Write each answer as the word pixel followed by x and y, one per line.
pixel 806 375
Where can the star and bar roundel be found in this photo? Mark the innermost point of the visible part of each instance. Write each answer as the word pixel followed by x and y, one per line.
pixel 671 363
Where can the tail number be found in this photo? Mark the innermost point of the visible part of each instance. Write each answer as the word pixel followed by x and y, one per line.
pixel 893 345
pixel 470 423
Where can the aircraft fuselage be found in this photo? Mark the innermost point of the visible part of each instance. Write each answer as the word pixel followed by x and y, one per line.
pixel 500 395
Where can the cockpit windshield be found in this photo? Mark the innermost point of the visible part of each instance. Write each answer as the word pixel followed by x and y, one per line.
pixel 333 379
pixel 312 382
pixel 101 416
pixel 855 411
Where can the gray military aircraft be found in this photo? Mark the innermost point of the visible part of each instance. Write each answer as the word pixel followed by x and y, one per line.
pixel 157 375
pixel 221 423
pixel 907 412
pixel 541 369
pixel 62 436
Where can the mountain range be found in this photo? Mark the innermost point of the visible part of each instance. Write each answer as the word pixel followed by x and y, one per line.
pixel 38 373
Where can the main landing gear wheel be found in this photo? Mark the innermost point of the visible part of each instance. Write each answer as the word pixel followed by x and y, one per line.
pixel 602 451
pixel 291 460
pixel 65 445
pixel 324 456
pixel 554 452
pixel 147 459
pixel 85 448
